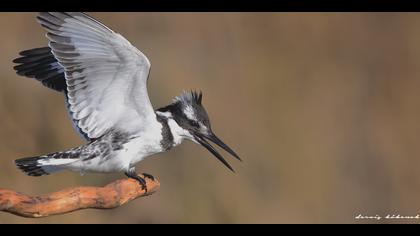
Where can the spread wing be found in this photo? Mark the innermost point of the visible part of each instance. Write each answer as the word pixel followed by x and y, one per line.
pixel 106 76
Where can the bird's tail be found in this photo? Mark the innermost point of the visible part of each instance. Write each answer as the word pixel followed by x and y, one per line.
pixel 45 165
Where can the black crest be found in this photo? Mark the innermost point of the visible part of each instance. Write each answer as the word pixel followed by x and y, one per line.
pixel 197 97
pixel 191 101
pixel 190 97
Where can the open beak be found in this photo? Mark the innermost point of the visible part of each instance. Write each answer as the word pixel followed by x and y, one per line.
pixel 201 139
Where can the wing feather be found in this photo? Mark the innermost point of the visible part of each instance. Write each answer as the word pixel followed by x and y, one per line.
pixel 106 76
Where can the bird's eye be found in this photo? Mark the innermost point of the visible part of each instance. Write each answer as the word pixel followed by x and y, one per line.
pixel 194 123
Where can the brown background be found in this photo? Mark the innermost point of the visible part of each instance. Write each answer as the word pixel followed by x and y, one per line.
pixel 323 108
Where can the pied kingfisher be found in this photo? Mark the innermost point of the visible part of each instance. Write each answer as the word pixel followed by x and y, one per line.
pixel 104 80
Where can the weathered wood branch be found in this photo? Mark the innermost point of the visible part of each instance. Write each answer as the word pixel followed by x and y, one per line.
pixel 112 195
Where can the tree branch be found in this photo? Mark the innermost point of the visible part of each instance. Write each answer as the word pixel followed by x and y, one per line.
pixel 112 195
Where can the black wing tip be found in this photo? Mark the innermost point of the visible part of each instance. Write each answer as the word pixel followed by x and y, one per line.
pixel 16 61
pixel 40 63
pixel 35 51
pixel 32 54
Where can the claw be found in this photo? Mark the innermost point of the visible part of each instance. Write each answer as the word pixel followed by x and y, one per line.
pixel 149 176
pixel 142 181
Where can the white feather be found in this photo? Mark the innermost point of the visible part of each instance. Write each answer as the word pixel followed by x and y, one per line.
pixel 178 133
pixel 54 161
pixel 105 74
pixel 189 112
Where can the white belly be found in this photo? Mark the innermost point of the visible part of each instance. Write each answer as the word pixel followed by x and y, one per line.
pixel 139 149
pixel 132 152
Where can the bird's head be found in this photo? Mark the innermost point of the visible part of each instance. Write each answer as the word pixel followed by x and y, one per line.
pixel 192 122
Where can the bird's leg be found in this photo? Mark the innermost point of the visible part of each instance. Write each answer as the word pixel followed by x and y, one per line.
pixel 131 173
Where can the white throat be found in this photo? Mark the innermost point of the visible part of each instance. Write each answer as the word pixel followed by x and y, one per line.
pixel 178 133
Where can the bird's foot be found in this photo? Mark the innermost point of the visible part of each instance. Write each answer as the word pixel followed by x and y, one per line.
pixel 149 176
pixel 141 180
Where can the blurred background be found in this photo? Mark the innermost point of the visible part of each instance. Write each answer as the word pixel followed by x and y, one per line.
pixel 324 109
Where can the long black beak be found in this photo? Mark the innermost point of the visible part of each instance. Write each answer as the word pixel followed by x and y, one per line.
pixel 212 137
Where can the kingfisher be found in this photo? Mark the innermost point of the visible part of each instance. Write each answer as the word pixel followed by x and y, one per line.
pixel 104 81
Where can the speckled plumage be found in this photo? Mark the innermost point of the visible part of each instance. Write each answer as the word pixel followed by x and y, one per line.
pixel 104 80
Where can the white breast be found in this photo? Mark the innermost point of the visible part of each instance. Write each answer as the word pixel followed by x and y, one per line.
pixel 146 144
